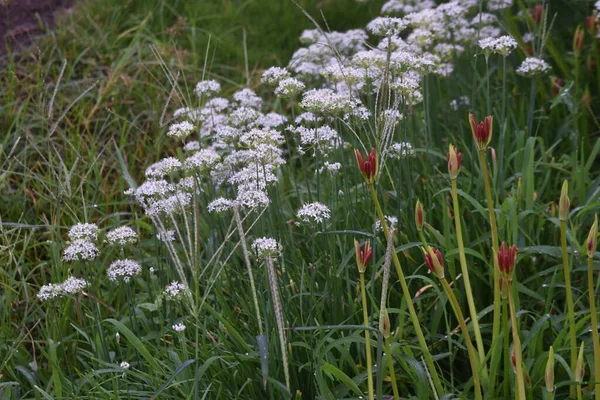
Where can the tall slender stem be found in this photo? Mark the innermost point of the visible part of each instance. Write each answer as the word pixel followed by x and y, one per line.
pixel 367 338
pixel 437 383
pixel 594 321
pixel 569 295
pixel 465 273
pixel 390 360
pixel 506 349
pixel 463 326
pixel 516 347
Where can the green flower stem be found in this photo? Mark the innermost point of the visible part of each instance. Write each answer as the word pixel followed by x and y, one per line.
pixel 465 273
pixel 594 320
pixel 437 383
pixel 570 306
pixel 390 360
pixel 463 326
pixel 506 349
pixel 516 348
pixel 367 337
pixel 496 275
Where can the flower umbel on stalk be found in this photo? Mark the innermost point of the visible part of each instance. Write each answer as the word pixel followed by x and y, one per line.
pixel 563 213
pixel 591 244
pixel 454 163
pixel 435 263
pixel 506 259
pixel 437 383
pixel 482 134
pixel 362 261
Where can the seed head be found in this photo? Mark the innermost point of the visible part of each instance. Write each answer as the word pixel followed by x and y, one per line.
pixel 482 132
pixel 564 202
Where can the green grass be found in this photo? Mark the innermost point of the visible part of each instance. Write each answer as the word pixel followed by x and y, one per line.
pixel 71 137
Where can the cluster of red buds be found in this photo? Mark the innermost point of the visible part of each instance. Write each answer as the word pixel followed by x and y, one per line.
pixel 482 132
pixel 362 256
pixel 368 167
pixel 506 258
pixel 435 261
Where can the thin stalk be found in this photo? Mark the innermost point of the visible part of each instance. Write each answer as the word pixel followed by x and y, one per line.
pixel 242 235
pixel 594 320
pixel 463 326
pixel 367 337
pixel 390 360
pixel 570 306
pixel 516 347
pixel 506 349
pixel 494 229
pixel 465 273
pixel 437 383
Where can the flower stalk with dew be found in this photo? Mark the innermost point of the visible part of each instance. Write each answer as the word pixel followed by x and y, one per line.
pixel 505 259
pixel 454 163
pixel 482 134
pixel 384 319
pixel 369 175
pixel 242 234
pixel 549 374
pixel 563 213
pixel 435 263
pixel 591 244
pixel 579 372
pixel 362 261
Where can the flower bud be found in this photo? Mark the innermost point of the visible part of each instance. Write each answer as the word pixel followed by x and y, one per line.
pixel 385 324
pixel 419 216
pixel 362 256
pixel 592 239
pixel 564 204
pixel 482 132
pixel 557 84
pixel 578 41
pixel 434 261
pixel 579 366
pixel 549 377
pixel 453 157
pixel 591 24
pixel 368 167
pixel 537 13
pixel 506 258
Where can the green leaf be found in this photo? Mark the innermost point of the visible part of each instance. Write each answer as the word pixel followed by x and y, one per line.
pixel 340 375
pixel 136 342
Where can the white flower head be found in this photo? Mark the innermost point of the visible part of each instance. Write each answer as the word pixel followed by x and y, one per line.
pixel 400 150
pixel 495 5
pixel 288 87
pixel 84 231
pixel 166 236
pixel 178 327
pixel 70 286
pixel 247 98
pixel 386 26
pixel 123 270
pixel 202 160
pixel 533 66
pixel 174 290
pixel 207 88
pixel 80 250
pixel 266 247
pixel 220 205
pixel 273 75
pixel 180 130
pixel 124 365
pixel 121 236
pixel 314 212
pixel 502 45
pixel 391 221
pixel 162 168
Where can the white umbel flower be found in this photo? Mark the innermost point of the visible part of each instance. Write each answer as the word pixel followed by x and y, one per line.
pixel 123 270
pixel 207 88
pixel 288 87
pixel 124 365
pixel 121 236
pixel 314 212
pixel 84 231
pixel 201 161
pixel 166 236
pixel 400 150
pixel 273 75
pixel 502 45
pixel 180 130
pixel 533 66
pixel 220 205
pixel 164 167
pixel 70 286
pixel 179 327
pixel 266 247
pixel 80 250
pixel 174 290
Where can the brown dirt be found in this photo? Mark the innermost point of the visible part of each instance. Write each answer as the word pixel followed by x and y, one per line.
pixel 23 20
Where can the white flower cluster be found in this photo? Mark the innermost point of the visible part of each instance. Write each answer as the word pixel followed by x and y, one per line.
pixel 208 88
pixel 266 247
pixel 80 250
pixel 123 270
pixel 533 66
pixel 390 220
pixel 166 236
pixel 70 286
pixel 400 150
pixel 313 212
pixel 502 45
pixel 121 236
pixel 178 327
pixel 174 290
pixel 273 75
pixel 180 130
pixel 165 167
pixel 84 232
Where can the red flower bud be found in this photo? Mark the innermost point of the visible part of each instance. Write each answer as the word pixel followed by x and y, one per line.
pixel 454 160
pixel 419 216
pixel 362 256
pixel 591 24
pixel 557 84
pixel 537 12
pixel 367 168
pixel 578 40
pixel 435 261
pixel 506 258
pixel 482 132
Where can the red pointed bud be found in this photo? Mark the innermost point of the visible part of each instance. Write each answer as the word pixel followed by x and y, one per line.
pixel 419 216
pixel 482 132
pixel 454 159
pixel 564 203
pixel 506 258
pixel 591 24
pixel 557 84
pixel 592 240
pixel 578 41
pixel 435 261
pixel 367 165
pixel 362 256
pixel 537 12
